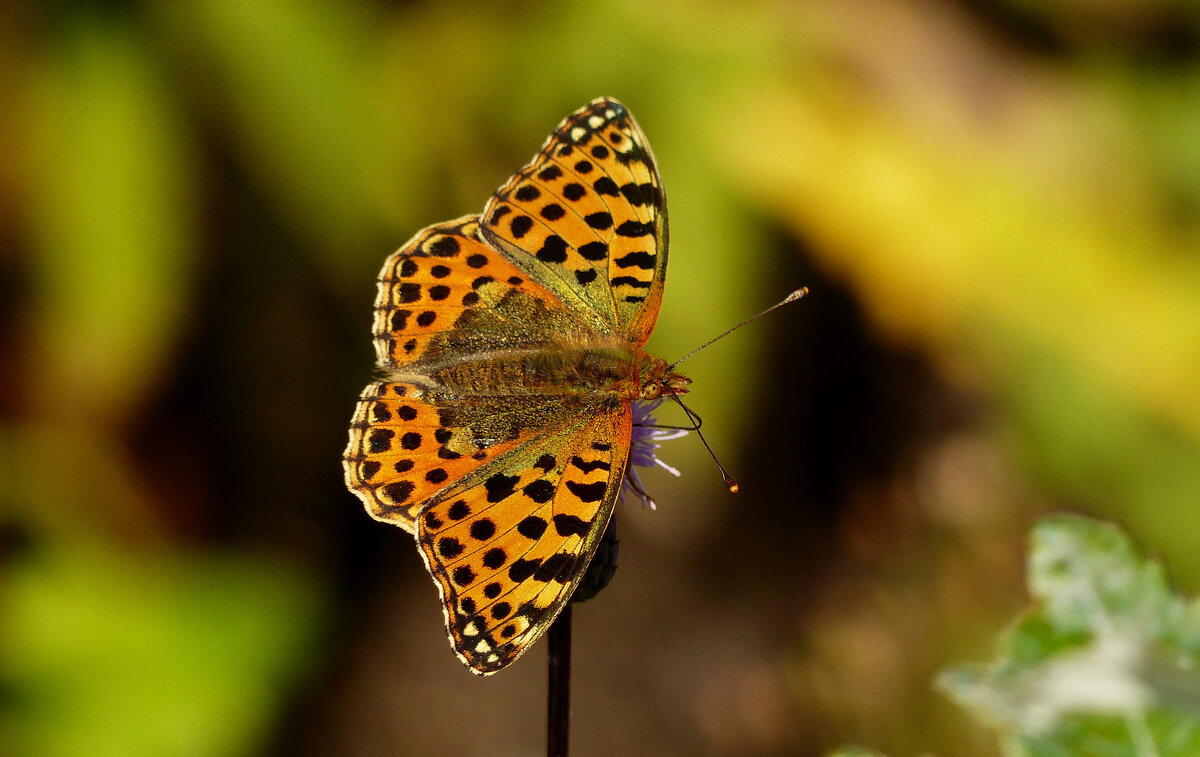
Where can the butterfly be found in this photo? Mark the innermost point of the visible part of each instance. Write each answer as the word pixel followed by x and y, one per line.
pixel 510 350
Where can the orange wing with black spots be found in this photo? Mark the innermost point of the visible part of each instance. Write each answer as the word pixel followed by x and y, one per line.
pixel 508 548
pixel 445 299
pixel 587 217
pixel 402 452
pixel 448 288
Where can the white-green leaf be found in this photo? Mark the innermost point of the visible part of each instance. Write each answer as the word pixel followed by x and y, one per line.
pixel 1104 663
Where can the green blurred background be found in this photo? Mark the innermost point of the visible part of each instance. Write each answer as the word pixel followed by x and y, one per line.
pixel 996 204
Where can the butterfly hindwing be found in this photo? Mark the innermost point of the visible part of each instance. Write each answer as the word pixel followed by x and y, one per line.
pixel 404 449
pixel 587 217
pixel 507 550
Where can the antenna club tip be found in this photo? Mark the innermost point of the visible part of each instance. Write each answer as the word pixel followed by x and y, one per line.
pixel 731 484
pixel 797 294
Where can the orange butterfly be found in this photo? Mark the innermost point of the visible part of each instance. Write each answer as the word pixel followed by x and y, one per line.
pixel 511 348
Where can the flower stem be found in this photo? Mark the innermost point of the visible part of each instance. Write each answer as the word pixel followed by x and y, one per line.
pixel 558 709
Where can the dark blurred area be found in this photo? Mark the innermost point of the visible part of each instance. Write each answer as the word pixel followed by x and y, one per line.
pixel 994 203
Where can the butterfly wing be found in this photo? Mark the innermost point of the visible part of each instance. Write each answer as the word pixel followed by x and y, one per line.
pixel 507 547
pixel 404 449
pixel 444 297
pixel 588 218
pixel 447 294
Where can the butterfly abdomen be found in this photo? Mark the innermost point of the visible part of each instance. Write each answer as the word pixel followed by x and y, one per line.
pixel 553 371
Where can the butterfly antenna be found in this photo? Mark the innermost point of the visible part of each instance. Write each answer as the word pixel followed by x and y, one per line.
pixel 730 482
pixel 790 298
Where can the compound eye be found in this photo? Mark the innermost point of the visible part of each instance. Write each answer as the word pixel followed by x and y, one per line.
pixel 652 390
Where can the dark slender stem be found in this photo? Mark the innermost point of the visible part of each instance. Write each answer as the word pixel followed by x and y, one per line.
pixel 558 694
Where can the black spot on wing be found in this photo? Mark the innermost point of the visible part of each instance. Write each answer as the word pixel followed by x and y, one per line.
pixel 463 575
pixel 532 527
pixel 586 467
pixel 449 547
pixel 540 491
pixel 398 491
pixel 500 487
pixel 570 525
pixel 595 251
pixel 410 292
pixel 554 249
pixel 554 566
pixel 520 226
pixel 593 492
pixel 446 247
pixel 498 214
pixel 635 229
pixel 644 260
pixel 527 193
pixel 630 281
pixel 638 194
pixel 483 529
pixel 380 440
pixel 601 220
pixel 522 569
pixel 606 186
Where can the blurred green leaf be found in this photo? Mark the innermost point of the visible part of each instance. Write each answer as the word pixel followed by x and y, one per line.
pixel 109 653
pixel 1103 664
pixel 944 231
pixel 1085 443
pixel 297 87
pixel 108 172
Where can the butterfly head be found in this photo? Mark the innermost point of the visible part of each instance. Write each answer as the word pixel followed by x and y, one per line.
pixel 660 381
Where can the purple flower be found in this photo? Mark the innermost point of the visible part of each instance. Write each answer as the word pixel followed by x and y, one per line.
pixel 647 438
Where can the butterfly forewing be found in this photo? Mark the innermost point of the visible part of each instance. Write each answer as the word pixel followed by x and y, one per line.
pixel 447 293
pixel 508 550
pixel 588 215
